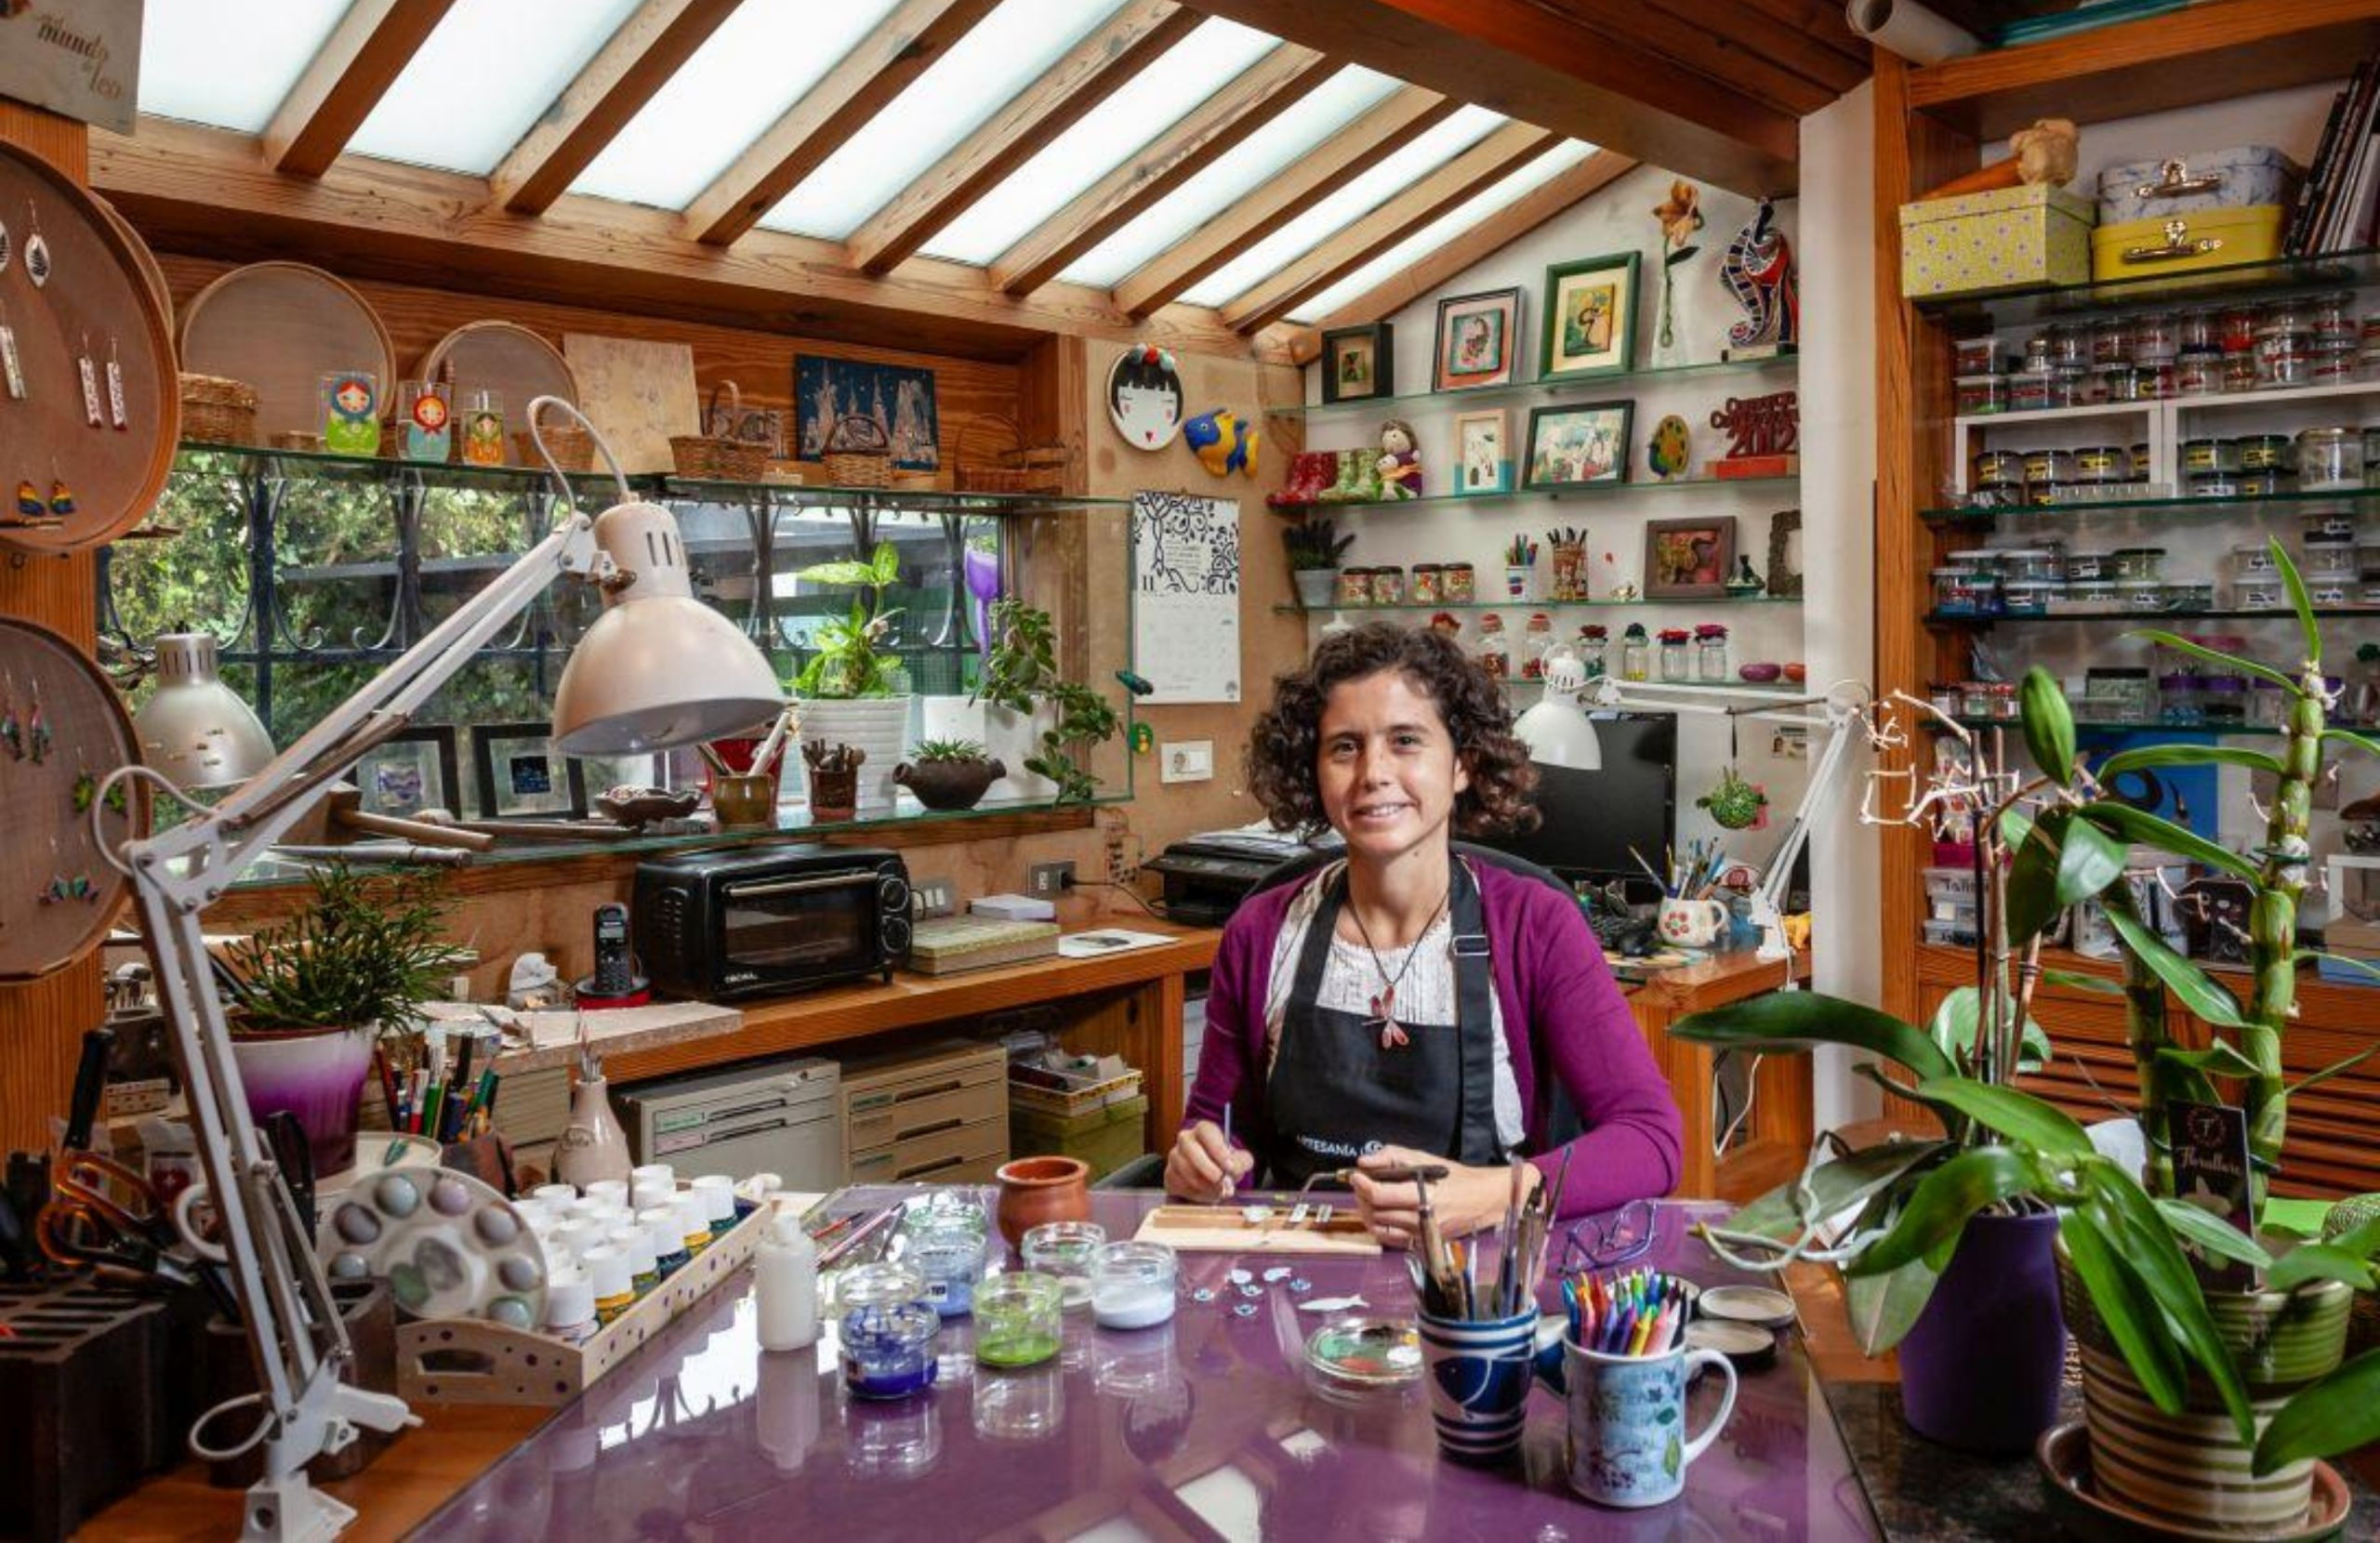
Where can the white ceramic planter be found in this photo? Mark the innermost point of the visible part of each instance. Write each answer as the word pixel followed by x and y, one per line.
pixel 1317 587
pixel 1012 736
pixel 877 725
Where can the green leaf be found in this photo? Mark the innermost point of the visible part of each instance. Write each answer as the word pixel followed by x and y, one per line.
pixel 2334 1069
pixel 2366 966
pixel 2346 736
pixel 2049 725
pixel 2222 1059
pixel 2015 825
pixel 1939 1212
pixel 2311 1262
pixel 2180 644
pixel 1834 1187
pixel 2077 981
pixel 1800 1020
pixel 2339 1414
pixel 2359 1242
pixel 2299 600
pixel 2032 1046
pixel 2147 1242
pixel 2149 756
pixel 2031 898
pixel 1885 1308
pixel 1953 1024
pixel 2138 824
pixel 2019 1116
pixel 2088 860
pixel 2125 1307
pixel 2198 993
pixel 2211 1233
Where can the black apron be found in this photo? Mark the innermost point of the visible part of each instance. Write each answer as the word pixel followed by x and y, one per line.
pixel 1335 1093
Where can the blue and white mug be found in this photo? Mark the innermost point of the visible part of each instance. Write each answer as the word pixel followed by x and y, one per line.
pixel 1479 1375
pixel 1627 1442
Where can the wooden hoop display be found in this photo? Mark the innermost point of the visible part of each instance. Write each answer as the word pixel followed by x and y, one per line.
pixel 62 730
pixel 100 304
pixel 281 327
pixel 504 357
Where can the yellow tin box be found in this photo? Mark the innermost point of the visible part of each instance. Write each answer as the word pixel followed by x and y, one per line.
pixel 2184 244
pixel 2009 238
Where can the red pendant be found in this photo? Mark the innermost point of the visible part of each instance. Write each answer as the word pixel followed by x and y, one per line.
pixel 1392 1035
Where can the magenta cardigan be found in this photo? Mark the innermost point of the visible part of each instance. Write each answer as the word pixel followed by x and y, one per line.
pixel 1560 1005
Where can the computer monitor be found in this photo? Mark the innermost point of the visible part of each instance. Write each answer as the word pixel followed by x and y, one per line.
pixel 1590 820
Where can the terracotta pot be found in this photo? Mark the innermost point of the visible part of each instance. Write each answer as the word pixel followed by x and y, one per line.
pixel 949 783
pixel 1035 1189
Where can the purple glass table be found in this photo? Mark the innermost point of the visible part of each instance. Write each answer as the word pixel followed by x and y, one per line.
pixel 1207 1427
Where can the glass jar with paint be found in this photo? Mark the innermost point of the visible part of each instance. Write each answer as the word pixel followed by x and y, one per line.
pixel 951 1258
pixel 1017 1318
pixel 1064 1250
pixel 1132 1284
pixel 483 427
pixel 888 1349
pixel 882 1284
pixel 426 432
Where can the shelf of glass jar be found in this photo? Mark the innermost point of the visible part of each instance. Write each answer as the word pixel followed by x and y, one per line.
pixel 1589 385
pixel 1525 603
pixel 2258 280
pixel 1951 619
pixel 2084 499
pixel 1583 490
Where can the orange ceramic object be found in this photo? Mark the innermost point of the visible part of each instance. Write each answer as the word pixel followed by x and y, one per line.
pixel 1035 1189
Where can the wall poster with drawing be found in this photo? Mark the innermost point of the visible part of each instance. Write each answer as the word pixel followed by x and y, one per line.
pixel 1186 597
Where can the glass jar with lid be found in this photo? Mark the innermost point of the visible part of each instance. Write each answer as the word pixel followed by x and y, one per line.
pixel 2111 341
pixel 888 1349
pixel 2156 338
pixel 1017 1318
pixel 2329 558
pixel 2222 701
pixel 1636 653
pixel 1459 584
pixel 2209 454
pixel 2048 465
pixel 2139 562
pixel 2033 566
pixel 1710 655
pixel 2334 320
pixel 2178 699
pixel 1132 1284
pixel 2198 330
pixel 880 1284
pixel 2041 352
pixel 1976 395
pixel 2100 464
pixel 2028 597
pixel 1978 355
pixel 1064 1250
pixel 1675 667
pixel 1493 652
pixel 2263 452
pixel 2330 457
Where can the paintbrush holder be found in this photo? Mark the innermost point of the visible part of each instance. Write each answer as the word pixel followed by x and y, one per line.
pixel 743 802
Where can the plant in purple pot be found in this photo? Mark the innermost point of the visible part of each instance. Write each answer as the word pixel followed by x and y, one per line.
pixel 982 570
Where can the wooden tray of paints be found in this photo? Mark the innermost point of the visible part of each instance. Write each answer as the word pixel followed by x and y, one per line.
pixel 1286 1227
pixel 470 1361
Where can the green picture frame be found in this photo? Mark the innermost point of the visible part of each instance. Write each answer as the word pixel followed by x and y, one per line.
pixel 1589 322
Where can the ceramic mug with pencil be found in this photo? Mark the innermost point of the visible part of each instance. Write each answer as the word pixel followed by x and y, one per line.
pixel 1623 1371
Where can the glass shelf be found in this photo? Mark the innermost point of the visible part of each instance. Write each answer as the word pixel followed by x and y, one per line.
pixel 374 467
pixel 1538 605
pixel 1592 490
pixel 2148 618
pixel 2120 506
pixel 2278 276
pixel 912 500
pixel 1537 387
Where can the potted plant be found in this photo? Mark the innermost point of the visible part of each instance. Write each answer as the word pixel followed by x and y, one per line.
pixel 311 995
pixel 1028 699
pixel 1314 550
pixel 950 773
pixel 852 688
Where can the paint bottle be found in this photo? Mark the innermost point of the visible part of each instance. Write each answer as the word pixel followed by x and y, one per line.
pixel 784 1285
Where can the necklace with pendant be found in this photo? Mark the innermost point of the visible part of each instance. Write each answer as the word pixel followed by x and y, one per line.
pixel 1391 1034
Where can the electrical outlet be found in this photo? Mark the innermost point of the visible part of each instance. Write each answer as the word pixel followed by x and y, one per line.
pixel 1050 879
pixel 1187 761
pixel 934 897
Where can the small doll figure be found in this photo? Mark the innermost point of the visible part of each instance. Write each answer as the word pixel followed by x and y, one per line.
pixel 1400 463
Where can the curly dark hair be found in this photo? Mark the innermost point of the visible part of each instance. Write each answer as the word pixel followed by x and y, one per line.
pixel 1285 744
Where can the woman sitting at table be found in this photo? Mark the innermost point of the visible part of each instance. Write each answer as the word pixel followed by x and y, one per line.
pixel 1403 1005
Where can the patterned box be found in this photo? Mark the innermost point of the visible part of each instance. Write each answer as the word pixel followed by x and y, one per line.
pixel 2184 244
pixel 2194 184
pixel 2009 238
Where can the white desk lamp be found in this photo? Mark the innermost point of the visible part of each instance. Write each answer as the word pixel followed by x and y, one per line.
pixel 193 728
pixel 1559 734
pixel 658 668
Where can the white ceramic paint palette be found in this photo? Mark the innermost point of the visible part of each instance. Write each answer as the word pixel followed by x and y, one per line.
pixel 377 1152
pixel 448 1244
pixel 1747 1304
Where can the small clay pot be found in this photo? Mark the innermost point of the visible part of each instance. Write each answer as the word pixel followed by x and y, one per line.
pixel 1035 1189
pixel 833 795
pixel 949 783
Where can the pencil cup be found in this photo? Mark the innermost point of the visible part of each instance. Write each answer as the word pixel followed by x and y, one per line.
pixel 1695 923
pixel 1479 1381
pixel 1628 1443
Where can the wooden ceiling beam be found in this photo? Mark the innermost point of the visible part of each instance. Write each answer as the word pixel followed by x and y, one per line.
pixel 348 76
pixel 1822 22
pixel 880 67
pixel 1504 152
pixel 1404 116
pixel 1707 38
pixel 1092 70
pixel 1257 96
pixel 1483 240
pixel 207 193
pixel 1531 63
pixel 637 62
pixel 1748 31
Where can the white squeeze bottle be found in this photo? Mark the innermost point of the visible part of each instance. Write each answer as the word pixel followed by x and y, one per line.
pixel 785 1285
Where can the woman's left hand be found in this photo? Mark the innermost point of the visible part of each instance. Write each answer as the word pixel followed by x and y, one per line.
pixel 1467 1200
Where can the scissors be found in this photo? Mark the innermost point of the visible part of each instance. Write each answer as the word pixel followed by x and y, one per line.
pixel 104 1216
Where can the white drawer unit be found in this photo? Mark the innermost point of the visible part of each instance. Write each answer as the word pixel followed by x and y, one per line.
pixel 778 1116
pixel 936 1111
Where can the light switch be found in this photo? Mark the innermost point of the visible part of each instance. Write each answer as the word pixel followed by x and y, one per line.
pixel 1190 760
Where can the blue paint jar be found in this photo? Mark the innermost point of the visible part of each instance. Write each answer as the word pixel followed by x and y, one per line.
pixel 951 1259
pixel 888 1349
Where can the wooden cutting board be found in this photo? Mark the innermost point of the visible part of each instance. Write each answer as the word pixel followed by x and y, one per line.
pixel 1225 1230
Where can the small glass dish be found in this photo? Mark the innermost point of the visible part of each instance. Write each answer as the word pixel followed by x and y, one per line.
pixel 888 1349
pixel 1017 1318
pixel 1132 1284
pixel 1064 1250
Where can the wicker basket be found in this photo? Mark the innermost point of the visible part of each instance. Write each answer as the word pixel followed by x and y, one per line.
pixel 720 456
pixel 573 447
pixel 987 457
pixel 858 455
pixel 218 410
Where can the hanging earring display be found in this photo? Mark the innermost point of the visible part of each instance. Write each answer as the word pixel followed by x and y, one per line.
pixel 36 249
pixel 117 412
pixel 90 373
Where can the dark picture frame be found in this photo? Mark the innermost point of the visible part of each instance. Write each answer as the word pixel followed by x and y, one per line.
pixel 516 794
pixel 898 398
pixel 1491 320
pixel 1710 544
pixel 1370 351
pixel 1578 445
pixel 1590 324
pixel 413 770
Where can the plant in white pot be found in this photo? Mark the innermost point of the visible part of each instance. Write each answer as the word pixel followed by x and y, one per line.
pixel 314 992
pixel 1314 549
pixel 1034 718
pixel 852 688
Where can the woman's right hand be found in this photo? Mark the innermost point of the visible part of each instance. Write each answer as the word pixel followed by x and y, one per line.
pixel 1204 1165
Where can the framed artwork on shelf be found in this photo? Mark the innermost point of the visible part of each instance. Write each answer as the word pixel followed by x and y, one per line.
pixel 413 772
pixel 521 773
pixel 1358 364
pixel 1478 340
pixel 1590 325
pixel 899 399
pixel 1689 560
pixel 1580 445
pixel 1483 451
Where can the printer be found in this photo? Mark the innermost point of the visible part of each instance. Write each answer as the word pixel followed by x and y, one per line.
pixel 1206 877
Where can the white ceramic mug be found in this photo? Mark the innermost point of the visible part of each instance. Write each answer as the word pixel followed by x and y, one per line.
pixel 1692 923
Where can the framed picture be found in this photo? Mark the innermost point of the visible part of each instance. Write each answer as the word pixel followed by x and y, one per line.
pixel 1478 339
pixel 1483 451
pixel 1689 560
pixel 1590 318
pixel 898 398
pixel 411 772
pixel 521 773
pixel 1358 364
pixel 1578 446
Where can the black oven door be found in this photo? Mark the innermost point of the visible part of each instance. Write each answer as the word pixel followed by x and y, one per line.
pixel 810 926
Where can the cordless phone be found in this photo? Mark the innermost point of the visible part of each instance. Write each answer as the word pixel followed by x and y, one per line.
pixel 615 968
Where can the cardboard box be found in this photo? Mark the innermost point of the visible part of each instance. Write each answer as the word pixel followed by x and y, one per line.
pixel 2185 244
pixel 2009 238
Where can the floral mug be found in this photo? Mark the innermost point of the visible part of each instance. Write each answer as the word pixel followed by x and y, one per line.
pixel 1692 923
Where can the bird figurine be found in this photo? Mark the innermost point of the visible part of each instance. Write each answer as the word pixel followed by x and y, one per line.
pixel 1224 445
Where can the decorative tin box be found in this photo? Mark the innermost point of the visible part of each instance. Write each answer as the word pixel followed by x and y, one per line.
pixel 2232 178
pixel 2184 244
pixel 2008 238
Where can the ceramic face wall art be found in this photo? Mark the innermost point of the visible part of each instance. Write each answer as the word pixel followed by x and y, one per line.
pixel 1144 397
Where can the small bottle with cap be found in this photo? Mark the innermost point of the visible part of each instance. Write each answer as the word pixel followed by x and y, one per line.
pixel 785 1285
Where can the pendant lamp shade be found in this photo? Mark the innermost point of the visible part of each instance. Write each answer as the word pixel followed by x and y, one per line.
pixel 193 729
pixel 659 667
pixel 1558 729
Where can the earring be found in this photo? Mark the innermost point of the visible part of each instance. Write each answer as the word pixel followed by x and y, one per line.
pixel 37 734
pixel 90 373
pixel 12 733
pixel 86 791
pixel 6 247
pixel 12 366
pixel 77 887
pixel 36 249
pixel 29 504
pixel 62 498
pixel 115 389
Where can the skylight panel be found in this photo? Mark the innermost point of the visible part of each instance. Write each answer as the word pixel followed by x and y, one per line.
pixel 1341 100
pixel 760 61
pixel 488 71
pixel 1111 134
pixel 196 67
